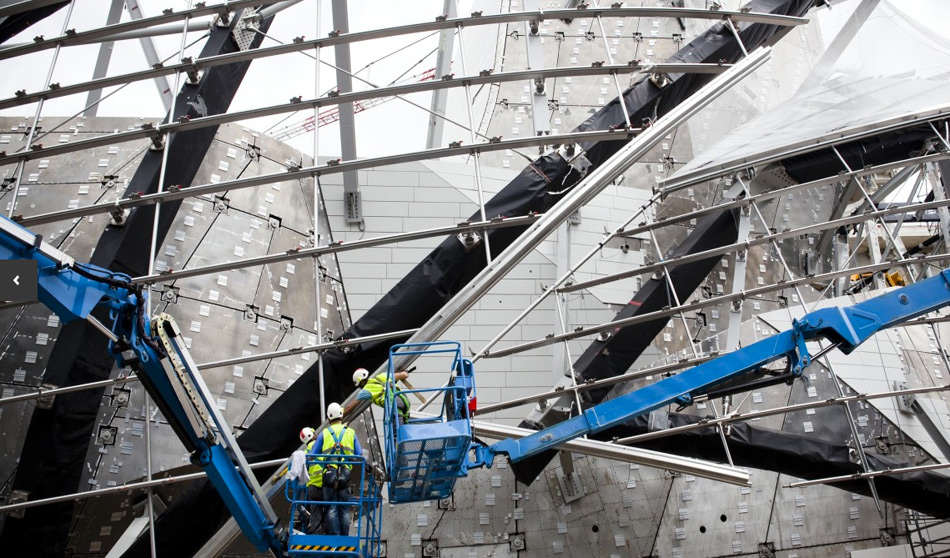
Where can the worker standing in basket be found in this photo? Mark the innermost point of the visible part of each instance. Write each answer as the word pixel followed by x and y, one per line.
pixel 315 484
pixel 374 389
pixel 337 439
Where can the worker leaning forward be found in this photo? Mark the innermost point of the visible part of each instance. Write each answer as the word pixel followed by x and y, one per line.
pixel 314 485
pixel 374 389
pixel 337 439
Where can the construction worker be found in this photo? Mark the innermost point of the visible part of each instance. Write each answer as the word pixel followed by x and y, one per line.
pixel 315 484
pixel 337 439
pixel 374 389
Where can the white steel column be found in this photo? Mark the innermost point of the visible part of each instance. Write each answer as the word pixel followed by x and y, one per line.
pixel 443 66
pixel 538 93
pixel 151 269
pixel 151 55
pixel 102 61
pixel 317 197
pixel 352 208
pixel 475 155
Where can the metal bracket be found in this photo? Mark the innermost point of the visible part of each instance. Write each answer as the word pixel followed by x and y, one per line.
pixel 45 402
pixel 246 29
pixel 571 487
pixel 430 548
pixel 904 402
pixel 469 240
pixel 18 497
pixel 800 358
pixel 107 435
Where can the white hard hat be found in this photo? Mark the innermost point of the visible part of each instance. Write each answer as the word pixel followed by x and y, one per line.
pixel 359 375
pixel 334 411
pixel 307 435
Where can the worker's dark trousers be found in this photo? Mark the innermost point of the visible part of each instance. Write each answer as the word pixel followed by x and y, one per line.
pixel 338 516
pixel 316 525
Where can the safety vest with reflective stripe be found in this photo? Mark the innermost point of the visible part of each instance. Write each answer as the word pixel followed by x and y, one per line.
pixel 376 386
pixel 315 470
pixel 346 436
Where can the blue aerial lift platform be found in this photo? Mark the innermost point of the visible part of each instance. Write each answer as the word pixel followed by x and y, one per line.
pixel 426 454
pixel 414 458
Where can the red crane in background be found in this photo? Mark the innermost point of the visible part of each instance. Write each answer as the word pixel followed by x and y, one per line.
pixel 332 114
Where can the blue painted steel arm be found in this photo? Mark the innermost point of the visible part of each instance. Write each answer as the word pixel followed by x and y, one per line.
pixel 848 327
pixel 64 286
pixel 73 290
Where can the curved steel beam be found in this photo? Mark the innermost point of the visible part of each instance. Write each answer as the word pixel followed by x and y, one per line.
pixel 331 167
pixel 152 131
pixel 72 37
pixel 113 32
pixel 23 97
pixel 716 300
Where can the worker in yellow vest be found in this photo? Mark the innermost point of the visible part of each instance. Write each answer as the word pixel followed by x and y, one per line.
pixel 337 439
pixel 374 389
pixel 315 484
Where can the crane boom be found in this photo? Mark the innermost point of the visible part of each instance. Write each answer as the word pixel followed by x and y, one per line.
pixel 844 327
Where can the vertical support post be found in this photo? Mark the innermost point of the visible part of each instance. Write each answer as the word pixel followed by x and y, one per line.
pixel 344 81
pixel 102 61
pixel 151 55
pixel 476 155
pixel 443 66
pixel 149 506
pixel 560 360
pixel 151 269
pixel 36 118
pixel 539 95
pixel 317 196
pixel 841 258
pixel 738 275
pixel 610 60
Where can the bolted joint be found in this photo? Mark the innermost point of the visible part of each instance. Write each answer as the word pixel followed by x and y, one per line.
pixel 469 240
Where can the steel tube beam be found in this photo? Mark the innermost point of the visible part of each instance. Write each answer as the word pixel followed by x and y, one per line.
pixel 869 475
pixel 321 170
pixel 709 302
pixel 110 32
pixel 582 193
pixel 404 89
pixel 737 416
pixel 336 247
pixel 25 6
pixel 122 488
pixel 158 130
pixel 606 450
pixel 807 146
pixel 753 242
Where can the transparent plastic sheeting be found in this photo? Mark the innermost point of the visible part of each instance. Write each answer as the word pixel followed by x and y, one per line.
pixel 894 68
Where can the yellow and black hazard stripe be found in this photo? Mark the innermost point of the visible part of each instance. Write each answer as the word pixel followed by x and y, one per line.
pixel 322 548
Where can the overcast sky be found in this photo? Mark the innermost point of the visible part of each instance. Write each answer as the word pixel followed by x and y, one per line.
pixel 273 80
pixel 389 128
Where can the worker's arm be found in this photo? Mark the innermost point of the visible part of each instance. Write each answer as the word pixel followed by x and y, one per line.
pixel 361 395
pixel 401 375
pixel 357 449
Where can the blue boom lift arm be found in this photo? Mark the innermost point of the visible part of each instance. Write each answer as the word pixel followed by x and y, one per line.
pixel 845 328
pixel 155 349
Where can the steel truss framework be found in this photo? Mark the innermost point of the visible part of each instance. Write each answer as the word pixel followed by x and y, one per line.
pixel 539 226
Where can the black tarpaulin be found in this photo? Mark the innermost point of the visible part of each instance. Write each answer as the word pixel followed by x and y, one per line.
pixel 804 457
